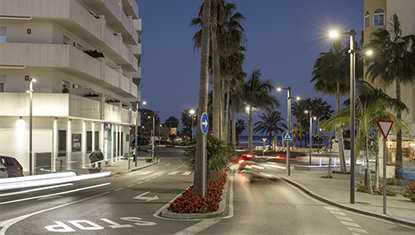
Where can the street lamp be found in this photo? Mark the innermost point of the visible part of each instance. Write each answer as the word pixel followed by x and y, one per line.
pixel 192 113
pixel 352 53
pixel 138 120
pixel 311 128
pixel 288 89
pixel 30 91
pixel 153 133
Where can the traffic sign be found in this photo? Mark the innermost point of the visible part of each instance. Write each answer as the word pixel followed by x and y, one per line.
pixel 204 123
pixel 385 127
pixel 287 137
pixel 264 140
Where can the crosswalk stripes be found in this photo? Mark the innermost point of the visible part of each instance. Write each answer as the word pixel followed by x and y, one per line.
pixel 173 172
pixel 187 173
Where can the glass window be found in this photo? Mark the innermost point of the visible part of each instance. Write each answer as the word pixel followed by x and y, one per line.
pixel 379 17
pixel 366 19
pixel 89 141
pixel 2 34
pixel 62 143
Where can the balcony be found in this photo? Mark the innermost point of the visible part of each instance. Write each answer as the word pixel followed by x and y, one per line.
pixel 131 8
pixel 115 17
pixel 64 105
pixel 70 60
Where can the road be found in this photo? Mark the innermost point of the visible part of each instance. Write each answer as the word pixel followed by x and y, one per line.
pixel 127 204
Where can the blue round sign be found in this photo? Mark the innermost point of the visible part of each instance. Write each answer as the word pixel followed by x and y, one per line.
pixel 204 123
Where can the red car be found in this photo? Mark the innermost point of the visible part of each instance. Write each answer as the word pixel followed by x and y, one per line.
pixel 14 169
pixel 242 161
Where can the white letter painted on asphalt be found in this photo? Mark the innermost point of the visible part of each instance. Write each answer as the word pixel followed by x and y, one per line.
pixel 116 225
pixel 59 227
pixel 93 226
pixel 138 221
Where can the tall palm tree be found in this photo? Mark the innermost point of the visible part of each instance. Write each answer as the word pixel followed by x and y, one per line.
pixel 271 122
pixel 331 76
pixel 298 111
pixel 240 127
pixel 203 96
pixel 394 62
pixel 256 94
pixel 237 103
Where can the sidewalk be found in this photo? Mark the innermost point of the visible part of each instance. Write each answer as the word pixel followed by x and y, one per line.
pixel 336 191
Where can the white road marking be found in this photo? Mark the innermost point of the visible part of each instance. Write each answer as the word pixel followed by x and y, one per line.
pixel 350 224
pixel 168 164
pixel 145 172
pixel 197 228
pixel 343 218
pixel 146 198
pixel 131 185
pixel 116 225
pixel 7 223
pixel 337 213
pixel 118 189
pixel 54 194
pixel 187 173
pixel 358 230
pixel 139 182
pixel 173 172
pixel 331 208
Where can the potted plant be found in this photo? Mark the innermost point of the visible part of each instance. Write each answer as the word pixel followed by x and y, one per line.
pixel 65 90
pixel 94 53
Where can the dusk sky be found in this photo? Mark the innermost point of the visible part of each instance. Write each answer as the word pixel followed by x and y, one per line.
pixel 284 39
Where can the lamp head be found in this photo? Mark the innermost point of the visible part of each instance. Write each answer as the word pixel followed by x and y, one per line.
pixel 306 111
pixel 192 111
pixel 144 102
pixel 33 80
pixel 334 34
pixel 369 52
pixel 297 98
pixel 279 89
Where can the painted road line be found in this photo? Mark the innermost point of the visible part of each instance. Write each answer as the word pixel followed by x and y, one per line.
pixel 7 223
pixel 145 172
pixel 199 227
pixel 173 172
pixel 54 194
pixel 131 185
pixel 187 173
pixel 118 189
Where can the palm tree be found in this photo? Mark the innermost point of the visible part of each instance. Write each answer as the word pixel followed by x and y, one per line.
pixel 240 127
pixel 371 105
pixel 394 62
pixel 186 119
pixel 203 96
pixel 237 103
pixel 256 94
pixel 298 111
pixel 331 76
pixel 271 122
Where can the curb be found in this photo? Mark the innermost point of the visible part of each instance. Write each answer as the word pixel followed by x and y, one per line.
pixel 139 168
pixel 322 199
pixel 190 216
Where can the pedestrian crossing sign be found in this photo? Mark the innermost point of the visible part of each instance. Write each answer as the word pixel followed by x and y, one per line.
pixel 287 137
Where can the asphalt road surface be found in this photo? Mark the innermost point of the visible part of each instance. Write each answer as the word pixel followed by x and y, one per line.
pixel 127 204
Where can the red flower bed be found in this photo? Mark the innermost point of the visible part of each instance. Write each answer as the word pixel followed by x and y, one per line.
pixel 190 202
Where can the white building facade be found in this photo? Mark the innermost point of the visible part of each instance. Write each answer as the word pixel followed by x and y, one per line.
pixel 377 14
pixel 85 56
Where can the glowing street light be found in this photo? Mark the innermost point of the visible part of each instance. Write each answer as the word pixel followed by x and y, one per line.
pixel 192 113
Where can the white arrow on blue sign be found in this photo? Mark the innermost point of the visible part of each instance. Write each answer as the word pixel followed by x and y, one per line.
pixel 287 137
pixel 204 123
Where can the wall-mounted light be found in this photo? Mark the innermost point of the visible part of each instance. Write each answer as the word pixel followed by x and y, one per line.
pixel 20 117
pixel 29 31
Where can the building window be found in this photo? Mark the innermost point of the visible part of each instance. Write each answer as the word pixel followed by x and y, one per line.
pixel 66 40
pixel 2 82
pixel 379 17
pixel 2 34
pixel 62 143
pixel 366 20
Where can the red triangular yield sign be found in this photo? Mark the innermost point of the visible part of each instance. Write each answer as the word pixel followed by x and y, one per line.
pixel 264 140
pixel 385 127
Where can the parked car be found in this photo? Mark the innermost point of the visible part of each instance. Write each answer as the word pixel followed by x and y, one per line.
pixel 3 171
pixel 14 169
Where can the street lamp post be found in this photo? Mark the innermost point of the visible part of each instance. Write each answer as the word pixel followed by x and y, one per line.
pixel 192 113
pixel 311 128
pixel 138 121
pixel 30 91
pixel 288 89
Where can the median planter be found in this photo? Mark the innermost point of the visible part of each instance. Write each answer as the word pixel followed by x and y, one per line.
pixel 94 170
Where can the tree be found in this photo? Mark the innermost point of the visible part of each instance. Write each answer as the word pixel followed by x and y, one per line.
pixel 171 122
pixel 186 119
pixel 271 122
pixel 371 106
pixel 331 76
pixel 298 111
pixel 256 94
pixel 393 62
pixel 203 96
pixel 240 127
pixel 147 120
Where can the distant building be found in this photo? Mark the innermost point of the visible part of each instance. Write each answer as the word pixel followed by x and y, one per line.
pixel 377 13
pixel 85 56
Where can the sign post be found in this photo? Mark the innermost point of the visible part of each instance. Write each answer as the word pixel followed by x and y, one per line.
pixel 385 127
pixel 263 149
pixel 204 125
pixel 288 137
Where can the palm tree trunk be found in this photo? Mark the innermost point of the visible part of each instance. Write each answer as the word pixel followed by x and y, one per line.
pixel 369 177
pixel 250 146
pixel 398 165
pixel 227 113
pixel 203 98
pixel 377 172
pixel 233 124
pixel 216 100
pixel 339 132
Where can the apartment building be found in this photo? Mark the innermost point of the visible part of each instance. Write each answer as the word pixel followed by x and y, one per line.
pixel 377 14
pixel 84 56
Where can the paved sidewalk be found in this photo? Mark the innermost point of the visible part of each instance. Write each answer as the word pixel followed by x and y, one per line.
pixel 336 191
